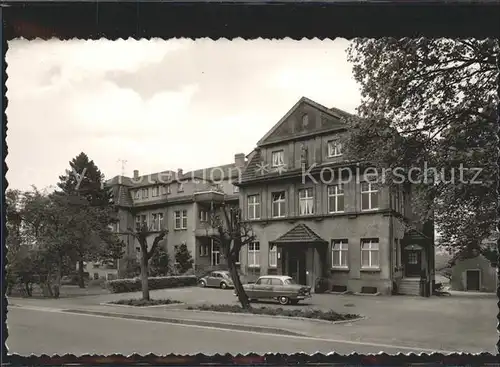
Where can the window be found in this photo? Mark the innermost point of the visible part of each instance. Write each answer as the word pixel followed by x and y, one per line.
pixel 157 221
pixel 397 199
pixel 305 120
pixel 165 190
pixel 140 221
pixel 203 216
pixel 340 250
pixel 369 196
pixel 180 217
pixel 276 281
pixel 253 206
pixel 278 158
pixel 154 191
pixel 236 189
pixel 273 257
pixel 254 255
pixel 215 254
pixel 263 281
pixel 278 204
pixel 334 148
pixel 180 187
pixel 306 202
pixel 137 194
pixel 369 254
pixel 145 193
pixel 336 198
pixel 203 250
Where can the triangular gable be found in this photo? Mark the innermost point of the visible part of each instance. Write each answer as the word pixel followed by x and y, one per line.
pixel 299 234
pixel 320 119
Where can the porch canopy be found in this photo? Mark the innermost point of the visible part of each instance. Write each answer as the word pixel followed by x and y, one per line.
pixel 415 240
pixel 299 235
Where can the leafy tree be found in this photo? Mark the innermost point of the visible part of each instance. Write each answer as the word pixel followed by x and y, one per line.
pixel 231 235
pixel 132 267
pixel 432 103
pixel 183 259
pixel 97 242
pixel 160 263
pixel 143 234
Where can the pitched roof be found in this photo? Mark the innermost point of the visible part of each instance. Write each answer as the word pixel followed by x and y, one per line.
pixel 251 168
pixel 121 196
pixel 334 113
pixel 299 233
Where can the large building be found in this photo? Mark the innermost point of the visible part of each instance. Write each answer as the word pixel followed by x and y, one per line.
pixel 179 202
pixel 311 220
pixel 314 214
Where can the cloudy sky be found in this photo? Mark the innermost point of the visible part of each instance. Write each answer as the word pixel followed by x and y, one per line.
pixel 158 104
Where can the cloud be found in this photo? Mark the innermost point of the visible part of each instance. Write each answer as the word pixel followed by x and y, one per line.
pixel 158 104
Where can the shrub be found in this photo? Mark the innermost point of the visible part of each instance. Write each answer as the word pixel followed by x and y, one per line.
pixel 183 258
pixel 142 302
pixel 134 285
pixel 160 263
pixel 271 311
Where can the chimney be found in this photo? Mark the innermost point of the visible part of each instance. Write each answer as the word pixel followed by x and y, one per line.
pixel 239 160
pixel 179 172
pixel 136 174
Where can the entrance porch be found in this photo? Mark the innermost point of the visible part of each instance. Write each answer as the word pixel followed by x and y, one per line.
pixel 301 255
pixel 418 263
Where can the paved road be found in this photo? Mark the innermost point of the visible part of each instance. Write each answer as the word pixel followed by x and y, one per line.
pixel 37 331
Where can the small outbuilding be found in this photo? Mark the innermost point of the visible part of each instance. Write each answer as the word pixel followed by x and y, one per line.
pixel 473 272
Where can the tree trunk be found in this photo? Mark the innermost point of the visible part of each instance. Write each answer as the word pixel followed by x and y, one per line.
pixel 238 287
pixel 81 280
pixel 144 277
pixel 57 285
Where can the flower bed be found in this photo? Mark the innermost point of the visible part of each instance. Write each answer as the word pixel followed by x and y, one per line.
pixel 271 311
pixel 134 285
pixel 143 303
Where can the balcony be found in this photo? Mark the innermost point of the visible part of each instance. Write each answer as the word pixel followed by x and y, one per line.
pixel 209 195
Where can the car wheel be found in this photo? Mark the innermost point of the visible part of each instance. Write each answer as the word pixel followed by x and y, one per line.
pixel 223 285
pixel 202 283
pixel 294 301
pixel 283 300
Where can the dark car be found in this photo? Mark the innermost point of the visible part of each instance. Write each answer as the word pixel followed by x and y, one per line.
pixel 219 279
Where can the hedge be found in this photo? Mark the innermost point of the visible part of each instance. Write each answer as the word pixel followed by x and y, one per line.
pixel 134 285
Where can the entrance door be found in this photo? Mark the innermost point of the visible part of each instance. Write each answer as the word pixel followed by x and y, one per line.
pixel 472 280
pixel 297 265
pixel 413 263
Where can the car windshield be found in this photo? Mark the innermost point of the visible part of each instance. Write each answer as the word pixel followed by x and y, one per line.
pixel 289 281
pixel 226 275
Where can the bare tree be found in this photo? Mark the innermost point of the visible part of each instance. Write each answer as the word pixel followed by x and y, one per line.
pixel 142 235
pixel 231 235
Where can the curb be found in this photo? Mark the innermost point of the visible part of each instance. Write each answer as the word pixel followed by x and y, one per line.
pixel 221 325
pixel 139 307
pixel 278 316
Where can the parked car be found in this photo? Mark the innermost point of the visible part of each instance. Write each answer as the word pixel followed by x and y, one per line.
pixel 282 288
pixel 219 279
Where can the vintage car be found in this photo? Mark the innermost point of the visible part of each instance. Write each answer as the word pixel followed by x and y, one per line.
pixel 280 287
pixel 219 279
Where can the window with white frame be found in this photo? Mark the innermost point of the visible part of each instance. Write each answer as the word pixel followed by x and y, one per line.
pixel 154 191
pixel 278 158
pixel 137 194
pixel 369 196
pixel 370 254
pixel 157 221
pixel 278 199
pixel 180 187
pixel 254 255
pixel 215 254
pixel 253 206
pixel 203 216
pixel 306 201
pixel 240 254
pixel 145 193
pixel 336 198
pixel 236 189
pixel 165 189
pixel 273 256
pixel 334 148
pixel 340 251
pixel 180 219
